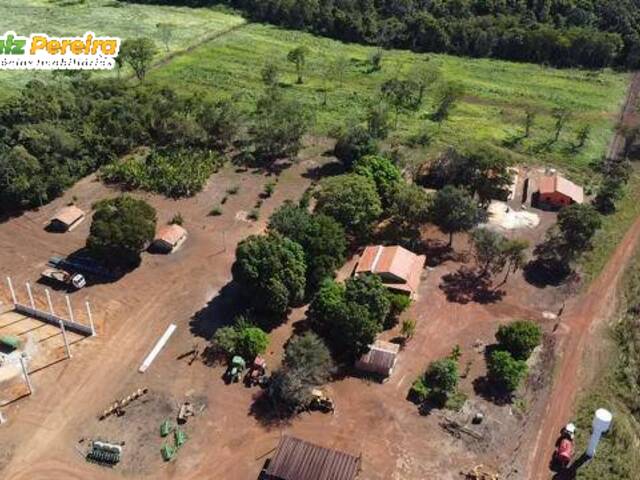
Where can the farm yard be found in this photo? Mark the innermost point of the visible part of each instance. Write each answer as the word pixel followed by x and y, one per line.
pixel 261 171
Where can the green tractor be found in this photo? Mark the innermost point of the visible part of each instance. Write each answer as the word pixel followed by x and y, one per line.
pixel 235 370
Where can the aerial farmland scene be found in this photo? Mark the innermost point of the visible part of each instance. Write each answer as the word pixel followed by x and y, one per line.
pixel 320 239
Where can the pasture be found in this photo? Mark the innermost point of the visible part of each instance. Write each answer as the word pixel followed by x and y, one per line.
pixel 492 109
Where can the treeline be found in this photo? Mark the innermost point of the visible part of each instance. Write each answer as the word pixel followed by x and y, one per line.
pixel 52 134
pixel 562 33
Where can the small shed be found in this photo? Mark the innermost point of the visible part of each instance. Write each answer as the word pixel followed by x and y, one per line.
pixel 66 219
pixel 169 238
pixel 398 268
pixel 556 191
pixel 380 359
pixel 296 459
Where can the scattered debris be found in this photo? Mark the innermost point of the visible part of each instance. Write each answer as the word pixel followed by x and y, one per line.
pixel 504 217
pixel 257 374
pixel 186 411
pixel 478 418
pixel 456 429
pixel 480 472
pixel 118 407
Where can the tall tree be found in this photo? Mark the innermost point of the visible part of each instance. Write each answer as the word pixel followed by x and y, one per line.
pixel 120 229
pixel 270 270
pixel 454 210
pixel 352 200
pixel 138 54
pixel 298 56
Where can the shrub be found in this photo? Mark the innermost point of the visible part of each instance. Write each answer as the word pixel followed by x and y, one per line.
pixel 505 371
pixel 215 211
pixel 242 339
pixel 419 391
pixel 174 173
pixel 442 378
pixel 399 303
pixel 233 190
pixel 176 219
pixel 269 188
pixel 519 338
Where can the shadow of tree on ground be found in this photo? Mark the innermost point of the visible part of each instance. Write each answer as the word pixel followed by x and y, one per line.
pixel 467 285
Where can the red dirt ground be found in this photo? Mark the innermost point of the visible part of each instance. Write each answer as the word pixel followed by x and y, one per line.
pixel 227 440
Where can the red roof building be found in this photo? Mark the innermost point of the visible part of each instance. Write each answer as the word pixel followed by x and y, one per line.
pixel 557 191
pixel 169 238
pixel 296 459
pixel 398 268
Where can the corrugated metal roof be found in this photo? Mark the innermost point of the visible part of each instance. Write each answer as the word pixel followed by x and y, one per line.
pixel 297 459
pixel 380 358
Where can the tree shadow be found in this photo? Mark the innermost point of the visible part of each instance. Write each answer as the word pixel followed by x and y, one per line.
pixel 329 169
pixel 438 252
pixel 218 312
pixel 485 388
pixel 540 275
pixel 93 270
pixel 266 413
pixel 468 285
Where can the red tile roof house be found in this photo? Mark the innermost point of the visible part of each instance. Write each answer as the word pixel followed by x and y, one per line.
pixel 296 459
pixel 66 219
pixel 398 268
pixel 556 191
pixel 169 238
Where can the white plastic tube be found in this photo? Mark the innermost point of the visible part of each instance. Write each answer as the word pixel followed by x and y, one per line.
pixel 156 349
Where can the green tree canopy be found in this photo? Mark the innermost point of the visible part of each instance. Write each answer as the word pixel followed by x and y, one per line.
pixel 454 210
pixel 442 377
pixel 354 143
pixel 505 371
pixel 298 56
pixel 278 126
pixel 270 270
pixel 322 238
pixel 350 316
pixel 385 174
pixel 121 228
pixel 352 200
pixel 308 354
pixel 138 54
pixel 578 224
pixel 519 338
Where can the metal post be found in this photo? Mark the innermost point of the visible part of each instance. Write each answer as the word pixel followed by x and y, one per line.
pixel 46 292
pixel 13 292
pixel 69 308
pixel 93 328
pixel 64 337
pixel 25 372
pixel 33 304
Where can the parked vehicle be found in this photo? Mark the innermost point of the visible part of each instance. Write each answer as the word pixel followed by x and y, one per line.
pixel 76 280
pixel 564 446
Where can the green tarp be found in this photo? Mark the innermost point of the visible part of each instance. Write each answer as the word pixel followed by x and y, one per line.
pixel 10 341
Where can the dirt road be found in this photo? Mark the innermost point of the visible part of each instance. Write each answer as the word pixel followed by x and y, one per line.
pixel 582 317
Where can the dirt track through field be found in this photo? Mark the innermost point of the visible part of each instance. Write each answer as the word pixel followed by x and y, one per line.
pixel 576 329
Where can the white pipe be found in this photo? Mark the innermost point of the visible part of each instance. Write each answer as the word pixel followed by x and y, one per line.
pixel 13 292
pixel 156 349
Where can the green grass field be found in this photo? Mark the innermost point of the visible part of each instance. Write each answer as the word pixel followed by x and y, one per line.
pixel 108 17
pixel 493 108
